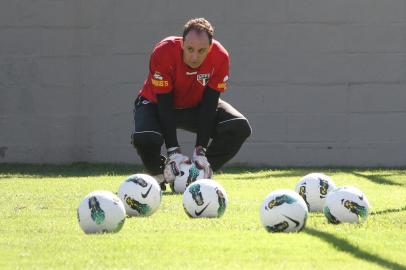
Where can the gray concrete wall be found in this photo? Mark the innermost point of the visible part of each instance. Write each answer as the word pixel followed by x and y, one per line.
pixel 323 82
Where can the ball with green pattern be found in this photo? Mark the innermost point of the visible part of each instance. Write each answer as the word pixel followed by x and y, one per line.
pixel 101 212
pixel 314 188
pixel 188 174
pixel 283 210
pixel 141 195
pixel 205 198
pixel 346 204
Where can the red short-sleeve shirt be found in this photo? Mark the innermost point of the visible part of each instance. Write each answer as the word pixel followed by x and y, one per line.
pixel 168 73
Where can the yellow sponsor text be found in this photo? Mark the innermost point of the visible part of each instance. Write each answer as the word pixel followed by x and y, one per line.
pixel 222 85
pixel 158 83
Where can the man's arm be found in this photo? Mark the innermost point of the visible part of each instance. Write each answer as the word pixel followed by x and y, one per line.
pixel 207 115
pixel 167 119
pixel 161 74
pixel 168 125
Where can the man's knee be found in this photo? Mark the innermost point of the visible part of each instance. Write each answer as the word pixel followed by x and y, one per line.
pixel 245 128
pixel 239 127
pixel 146 138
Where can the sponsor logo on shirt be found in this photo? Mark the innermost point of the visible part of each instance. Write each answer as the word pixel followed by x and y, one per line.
pixel 223 85
pixel 158 76
pixel 158 81
pixel 203 79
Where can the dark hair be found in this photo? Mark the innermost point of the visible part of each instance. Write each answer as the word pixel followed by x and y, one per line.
pixel 199 25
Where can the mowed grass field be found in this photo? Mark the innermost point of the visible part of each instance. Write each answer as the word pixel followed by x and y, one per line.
pixel 39 228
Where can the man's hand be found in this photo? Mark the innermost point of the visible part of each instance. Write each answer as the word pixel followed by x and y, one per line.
pixel 201 162
pixel 172 166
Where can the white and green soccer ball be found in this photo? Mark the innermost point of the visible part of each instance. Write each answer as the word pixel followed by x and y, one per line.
pixel 314 188
pixel 205 198
pixel 346 204
pixel 101 211
pixel 188 174
pixel 283 210
pixel 141 195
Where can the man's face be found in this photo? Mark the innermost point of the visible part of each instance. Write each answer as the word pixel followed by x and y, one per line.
pixel 195 47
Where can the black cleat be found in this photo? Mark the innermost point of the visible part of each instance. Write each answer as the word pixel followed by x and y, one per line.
pixel 163 186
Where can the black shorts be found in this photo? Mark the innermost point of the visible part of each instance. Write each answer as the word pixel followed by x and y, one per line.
pixel 146 118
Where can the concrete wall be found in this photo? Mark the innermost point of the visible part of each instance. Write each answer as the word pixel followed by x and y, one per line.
pixel 323 82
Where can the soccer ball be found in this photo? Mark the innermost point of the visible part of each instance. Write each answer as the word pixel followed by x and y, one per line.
pixel 283 210
pixel 205 198
pixel 189 173
pixel 314 188
pixel 101 211
pixel 140 194
pixel 346 204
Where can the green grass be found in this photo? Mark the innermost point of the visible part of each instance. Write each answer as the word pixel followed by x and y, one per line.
pixel 39 229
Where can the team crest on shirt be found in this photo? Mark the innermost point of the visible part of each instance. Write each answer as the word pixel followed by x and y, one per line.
pixel 203 79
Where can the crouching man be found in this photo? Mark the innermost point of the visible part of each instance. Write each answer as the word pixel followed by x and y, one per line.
pixel 186 77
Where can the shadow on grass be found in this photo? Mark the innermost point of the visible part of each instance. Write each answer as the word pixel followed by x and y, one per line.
pixel 16 170
pixel 378 179
pixel 387 211
pixel 252 177
pixel 345 246
pixel 297 172
pixel 266 172
pixel 79 169
pixel 240 169
pixel 70 170
pixel 169 192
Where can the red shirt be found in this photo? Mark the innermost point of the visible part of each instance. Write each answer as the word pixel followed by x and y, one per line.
pixel 168 73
